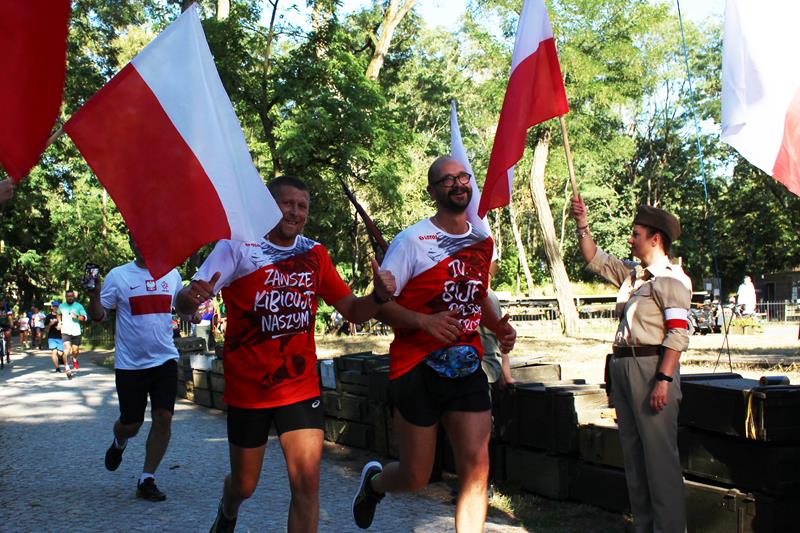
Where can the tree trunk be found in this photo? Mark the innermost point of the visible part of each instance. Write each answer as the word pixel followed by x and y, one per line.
pixel 223 9
pixel 498 234
pixel 566 304
pixel 391 19
pixel 105 204
pixel 265 104
pixel 321 12
pixel 270 38
pixel 523 260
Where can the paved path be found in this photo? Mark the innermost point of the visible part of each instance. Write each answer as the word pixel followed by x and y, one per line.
pixel 54 433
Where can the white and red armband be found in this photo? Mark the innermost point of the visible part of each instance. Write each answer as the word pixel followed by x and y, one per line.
pixel 676 318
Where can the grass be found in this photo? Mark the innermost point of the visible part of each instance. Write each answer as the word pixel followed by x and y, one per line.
pixel 542 515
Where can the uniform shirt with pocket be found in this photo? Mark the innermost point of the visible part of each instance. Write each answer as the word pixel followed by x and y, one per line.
pixel 652 303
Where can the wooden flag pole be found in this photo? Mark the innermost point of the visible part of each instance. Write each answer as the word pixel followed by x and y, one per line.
pixel 56 134
pixel 571 169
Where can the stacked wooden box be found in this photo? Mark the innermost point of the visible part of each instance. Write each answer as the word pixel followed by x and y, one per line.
pixel 538 428
pixel 188 347
pixel 200 375
pixel 740 450
pixel 356 403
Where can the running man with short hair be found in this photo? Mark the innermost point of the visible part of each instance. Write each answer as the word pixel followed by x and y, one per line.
pixel 72 314
pixel 441 266
pixel 270 289
pixel 145 360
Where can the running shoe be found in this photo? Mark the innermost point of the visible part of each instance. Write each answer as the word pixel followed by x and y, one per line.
pixel 222 524
pixel 147 490
pixel 366 499
pixel 113 457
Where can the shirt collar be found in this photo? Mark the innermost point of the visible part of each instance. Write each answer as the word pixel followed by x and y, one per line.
pixel 659 267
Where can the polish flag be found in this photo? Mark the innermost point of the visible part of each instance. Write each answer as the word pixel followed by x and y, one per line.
pixel 761 86
pixel 33 57
pixel 535 93
pixel 163 139
pixel 459 153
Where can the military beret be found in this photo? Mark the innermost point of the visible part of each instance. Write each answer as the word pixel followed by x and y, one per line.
pixel 660 220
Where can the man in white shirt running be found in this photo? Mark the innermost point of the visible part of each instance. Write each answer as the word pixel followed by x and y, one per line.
pixel 145 360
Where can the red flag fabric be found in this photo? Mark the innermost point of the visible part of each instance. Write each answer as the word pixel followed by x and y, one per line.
pixel 163 139
pixel 535 93
pixel 33 54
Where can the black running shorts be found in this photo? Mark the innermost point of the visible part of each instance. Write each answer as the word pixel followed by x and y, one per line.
pixel 249 428
pixel 421 395
pixel 133 387
pixel 75 340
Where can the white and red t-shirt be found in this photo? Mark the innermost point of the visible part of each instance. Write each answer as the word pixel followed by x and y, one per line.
pixel 270 294
pixel 437 271
pixel 144 305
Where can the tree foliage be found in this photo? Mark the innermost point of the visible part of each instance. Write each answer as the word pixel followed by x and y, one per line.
pixel 308 108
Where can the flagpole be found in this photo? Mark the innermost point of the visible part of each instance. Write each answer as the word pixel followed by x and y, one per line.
pixel 56 134
pixel 571 168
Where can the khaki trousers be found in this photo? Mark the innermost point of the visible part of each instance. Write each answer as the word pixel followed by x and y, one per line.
pixel 649 445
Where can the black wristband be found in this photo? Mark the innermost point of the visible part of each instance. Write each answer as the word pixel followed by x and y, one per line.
pixel 660 376
pixel 378 300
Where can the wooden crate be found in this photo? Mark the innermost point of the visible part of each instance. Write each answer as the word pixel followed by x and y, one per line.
pixel 203 397
pixel 598 442
pixel 217 382
pixel 346 406
pixel 217 401
pixel 200 379
pixel 348 433
pixel 539 472
pixel 600 486
pixel 713 509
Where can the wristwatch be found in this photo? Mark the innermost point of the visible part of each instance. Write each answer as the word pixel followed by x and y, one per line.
pixel 663 377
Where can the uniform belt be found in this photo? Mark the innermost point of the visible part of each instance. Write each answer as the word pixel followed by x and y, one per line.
pixel 637 351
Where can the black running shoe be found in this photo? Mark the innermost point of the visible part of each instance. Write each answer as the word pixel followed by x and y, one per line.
pixel 147 490
pixel 113 457
pixel 366 499
pixel 222 524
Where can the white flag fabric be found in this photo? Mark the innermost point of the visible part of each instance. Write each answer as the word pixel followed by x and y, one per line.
pixel 761 85
pixel 163 139
pixel 459 153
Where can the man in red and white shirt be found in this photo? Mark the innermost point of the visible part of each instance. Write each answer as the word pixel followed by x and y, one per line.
pixel 145 360
pixel 270 289
pixel 441 268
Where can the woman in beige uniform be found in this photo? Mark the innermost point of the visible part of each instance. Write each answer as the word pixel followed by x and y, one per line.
pixel 653 305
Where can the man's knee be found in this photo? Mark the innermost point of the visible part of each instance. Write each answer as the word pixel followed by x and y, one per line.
pixel 414 479
pixel 162 420
pixel 243 486
pixel 304 480
pixel 129 429
pixel 474 464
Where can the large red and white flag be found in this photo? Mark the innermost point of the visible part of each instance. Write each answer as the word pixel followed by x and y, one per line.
pixel 535 93
pixel 163 139
pixel 761 86
pixel 33 57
